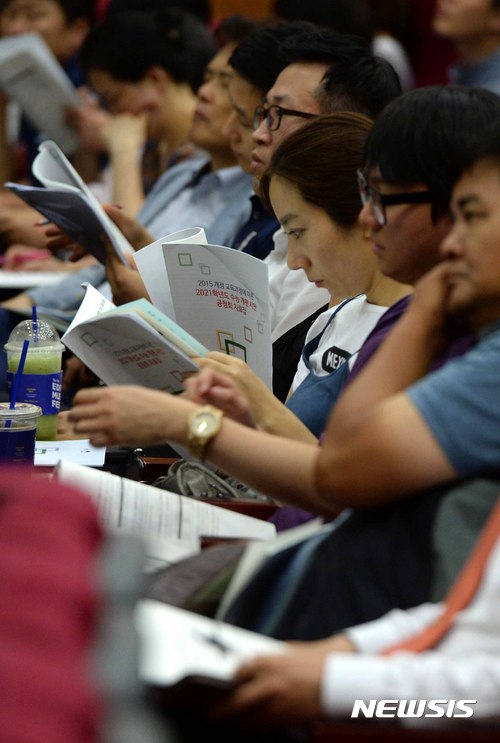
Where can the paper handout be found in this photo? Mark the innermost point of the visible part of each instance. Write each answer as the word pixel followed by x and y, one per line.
pixel 218 294
pixel 31 76
pixel 131 344
pixel 67 201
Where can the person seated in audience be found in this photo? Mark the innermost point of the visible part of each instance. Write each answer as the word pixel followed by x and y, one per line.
pixel 407 252
pixel 387 460
pixel 357 81
pixel 387 658
pixel 373 84
pixel 311 186
pixel 150 96
pixel 255 64
pixel 63 25
pixel 208 190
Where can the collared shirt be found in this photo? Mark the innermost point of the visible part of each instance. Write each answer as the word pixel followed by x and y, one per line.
pixel 465 665
pixel 200 203
pixel 255 237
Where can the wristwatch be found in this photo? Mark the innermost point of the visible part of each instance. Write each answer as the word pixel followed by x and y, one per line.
pixel 203 425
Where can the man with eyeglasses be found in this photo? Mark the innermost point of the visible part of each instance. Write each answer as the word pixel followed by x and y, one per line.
pixel 326 72
pixel 255 64
pixel 414 152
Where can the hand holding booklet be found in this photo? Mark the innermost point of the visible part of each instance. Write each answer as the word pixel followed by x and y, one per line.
pixel 31 76
pixel 218 294
pixel 131 344
pixel 186 654
pixel 68 202
pixel 204 297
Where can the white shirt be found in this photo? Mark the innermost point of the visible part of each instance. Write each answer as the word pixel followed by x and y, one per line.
pixel 346 333
pixel 465 665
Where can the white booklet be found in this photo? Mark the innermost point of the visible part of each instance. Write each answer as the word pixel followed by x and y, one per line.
pixel 153 513
pixel 178 648
pixel 131 344
pixel 66 200
pixel 31 75
pixel 218 294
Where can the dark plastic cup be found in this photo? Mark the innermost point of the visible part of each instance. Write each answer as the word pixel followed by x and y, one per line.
pixel 17 433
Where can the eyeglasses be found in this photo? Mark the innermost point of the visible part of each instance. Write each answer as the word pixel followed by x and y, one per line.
pixel 273 116
pixel 378 201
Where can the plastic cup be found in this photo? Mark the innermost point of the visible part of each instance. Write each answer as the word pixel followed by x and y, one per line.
pixel 17 432
pixel 42 376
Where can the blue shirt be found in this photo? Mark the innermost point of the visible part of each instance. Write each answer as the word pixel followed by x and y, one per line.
pixel 482 74
pixel 461 405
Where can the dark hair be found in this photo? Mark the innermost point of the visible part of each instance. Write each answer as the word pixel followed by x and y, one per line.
pixel 486 149
pixel 346 16
pixel 325 45
pixel 259 58
pixel 365 85
pixel 199 8
pixel 127 45
pixel 321 159
pixel 234 28
pixel 426 136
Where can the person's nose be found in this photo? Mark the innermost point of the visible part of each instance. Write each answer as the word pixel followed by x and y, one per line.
pixel 367 219
pixel 262 135
pixel 295 260
pixel 205 91
pixel 452 244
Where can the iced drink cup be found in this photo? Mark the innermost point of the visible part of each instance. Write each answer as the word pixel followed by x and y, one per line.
pixel 41 380
pixel 17 433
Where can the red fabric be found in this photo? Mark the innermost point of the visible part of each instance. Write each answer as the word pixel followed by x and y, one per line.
pixel 49 606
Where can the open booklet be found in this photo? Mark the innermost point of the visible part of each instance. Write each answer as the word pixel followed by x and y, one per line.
pixel 153 513
pixel 218 294
pixel 131 344
pixel 68 202
pixel 192 657
pixel 31 76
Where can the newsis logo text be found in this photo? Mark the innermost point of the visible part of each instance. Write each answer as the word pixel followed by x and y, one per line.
pixel 401 708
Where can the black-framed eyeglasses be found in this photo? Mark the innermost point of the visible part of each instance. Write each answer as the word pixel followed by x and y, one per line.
pixel 274 114
pixel 378 201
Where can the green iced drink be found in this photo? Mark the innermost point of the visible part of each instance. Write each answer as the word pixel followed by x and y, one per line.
pixel 41 379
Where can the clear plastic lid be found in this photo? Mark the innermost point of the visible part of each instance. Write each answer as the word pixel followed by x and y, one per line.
pixel 22 412
pixel 41 334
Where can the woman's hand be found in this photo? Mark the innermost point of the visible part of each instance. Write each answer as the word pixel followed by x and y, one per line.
pixel 212 387
pixel 129 415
